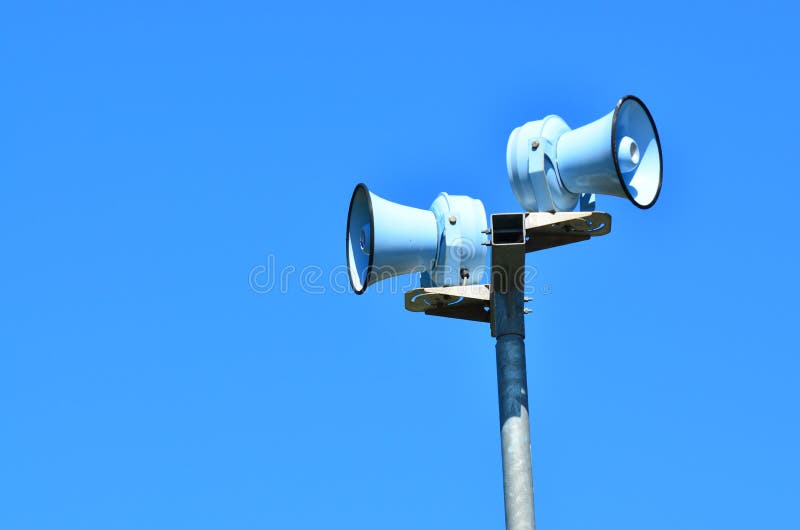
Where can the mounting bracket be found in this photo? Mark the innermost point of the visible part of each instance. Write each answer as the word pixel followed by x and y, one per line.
pixel 542 230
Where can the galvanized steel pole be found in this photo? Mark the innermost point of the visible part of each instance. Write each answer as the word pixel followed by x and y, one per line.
pixel 515 433
pixel 507 310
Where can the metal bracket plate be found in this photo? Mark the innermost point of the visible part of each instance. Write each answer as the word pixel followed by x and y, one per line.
pixel 548 230
pixel 467 302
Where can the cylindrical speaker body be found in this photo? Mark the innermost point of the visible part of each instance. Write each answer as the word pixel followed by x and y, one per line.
pixel 461 259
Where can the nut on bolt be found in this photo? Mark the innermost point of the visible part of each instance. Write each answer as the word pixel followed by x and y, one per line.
pixel 452 219
pixel 535 145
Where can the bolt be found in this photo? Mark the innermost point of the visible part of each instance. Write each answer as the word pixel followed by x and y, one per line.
pixel 535 145
pixel 465 273
pixel 452 219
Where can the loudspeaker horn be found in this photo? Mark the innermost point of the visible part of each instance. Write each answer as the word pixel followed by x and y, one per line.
pixel 551 167
pixel 386 239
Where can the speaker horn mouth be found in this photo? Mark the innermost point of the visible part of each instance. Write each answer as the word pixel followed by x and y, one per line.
pixel 360 215
pixel 624 133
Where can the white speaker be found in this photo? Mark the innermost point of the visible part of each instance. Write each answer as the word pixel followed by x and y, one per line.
pixel 551 167
pixel 386 239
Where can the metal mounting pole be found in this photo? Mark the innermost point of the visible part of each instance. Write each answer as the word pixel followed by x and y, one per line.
pixel 507 311
pixel 515 432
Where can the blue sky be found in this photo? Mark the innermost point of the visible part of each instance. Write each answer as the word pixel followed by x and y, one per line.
pixel 155 154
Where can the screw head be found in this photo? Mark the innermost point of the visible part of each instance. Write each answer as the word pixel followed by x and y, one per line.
pixel 535 145
pixel 452 219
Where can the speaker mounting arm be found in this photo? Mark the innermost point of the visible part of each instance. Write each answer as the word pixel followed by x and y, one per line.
pixel 466 302
pixel 542 230
pixel 547 230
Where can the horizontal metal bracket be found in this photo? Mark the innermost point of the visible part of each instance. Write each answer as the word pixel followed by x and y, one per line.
pixel 547 230
pixel 467 302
